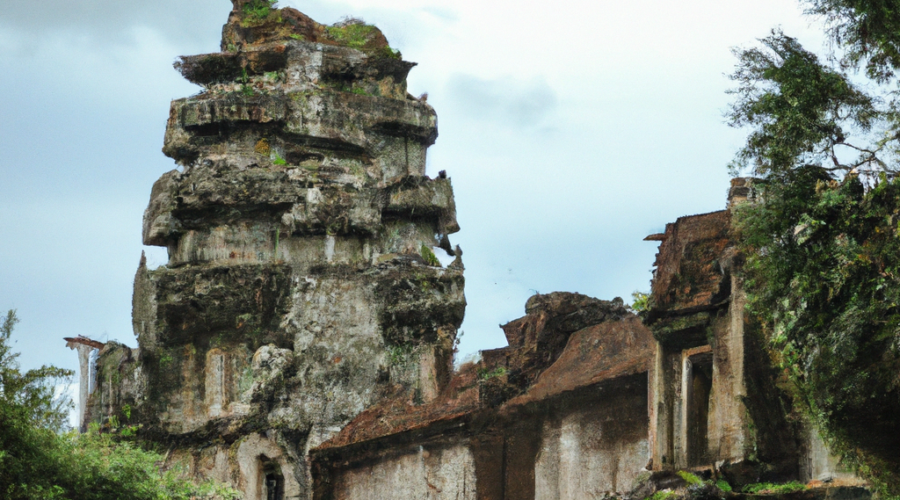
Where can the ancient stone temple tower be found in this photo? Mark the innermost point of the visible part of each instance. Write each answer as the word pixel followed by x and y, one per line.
pixel 302 284
pixel 299 342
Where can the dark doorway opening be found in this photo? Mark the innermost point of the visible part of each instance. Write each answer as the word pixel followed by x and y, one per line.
pixel 698 409
pixel 274 482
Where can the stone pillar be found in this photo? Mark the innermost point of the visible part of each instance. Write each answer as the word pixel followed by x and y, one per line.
pixel 84 370
pixel 85 347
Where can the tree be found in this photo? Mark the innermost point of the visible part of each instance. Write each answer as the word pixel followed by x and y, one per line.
pixel 822 241
pixel 33 391
pixel 38 460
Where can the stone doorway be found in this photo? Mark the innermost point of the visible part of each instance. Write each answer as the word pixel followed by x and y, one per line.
pixel 274 482
pixel 697 378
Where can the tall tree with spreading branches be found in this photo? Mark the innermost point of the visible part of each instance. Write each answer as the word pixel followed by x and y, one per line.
pixel 822 240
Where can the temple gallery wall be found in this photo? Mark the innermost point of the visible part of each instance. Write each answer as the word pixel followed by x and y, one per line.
pixel 299 342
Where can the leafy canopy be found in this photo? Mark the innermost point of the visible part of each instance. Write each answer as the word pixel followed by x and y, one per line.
pixel 38 460
pixel 822 240
pixel 33 392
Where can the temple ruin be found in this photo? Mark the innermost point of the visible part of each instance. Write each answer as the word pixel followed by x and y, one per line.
pixel 299 342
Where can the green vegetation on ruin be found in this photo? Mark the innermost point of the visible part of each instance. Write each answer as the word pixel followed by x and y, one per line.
pixel 40 458
pixel 689 478
pixel 773 489
pixel 257 12
pixel 484 374
pixel 356 34
pixel 246 89
pixel 663 495
pixel 822 239
pixel 398 355
pixel 640 301
pixel 353 33
pixel 429 256
pixel 724 486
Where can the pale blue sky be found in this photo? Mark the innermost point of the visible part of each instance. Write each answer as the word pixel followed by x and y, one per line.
pixel 571 130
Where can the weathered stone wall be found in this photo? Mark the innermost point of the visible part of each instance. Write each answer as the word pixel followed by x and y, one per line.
pixel 560 414
pixel 595 449
pixel 590 445
pixel 118 385
pixel 716 399
pixel 433 473
pixel 715 394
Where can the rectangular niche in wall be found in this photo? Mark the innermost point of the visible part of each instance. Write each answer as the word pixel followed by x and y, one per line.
pixel 215 382
pixel 697 369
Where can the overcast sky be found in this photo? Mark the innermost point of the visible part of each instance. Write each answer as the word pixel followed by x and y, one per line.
pixel 571 130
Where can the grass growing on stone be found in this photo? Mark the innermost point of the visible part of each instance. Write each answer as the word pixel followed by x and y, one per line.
pixel 429 256
pixel 390 53
pixel 257 11
pixel 354 34
pixel 496 372
pixel 398 354
pixel 689 478
pixel 663 495
pixel 774 489
pixel 724 486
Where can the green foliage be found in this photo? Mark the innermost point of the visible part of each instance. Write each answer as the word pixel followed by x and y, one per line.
pixel 33 392
pixel 724 486
pixel 356 34
pixel 100 466
pixel 352 33
pixel 398 354
pixel 429 256
pixel 823 278
pixel 496 372
pixel 257 11
pixel 663 495
pixel 868 32
pixel 390 53
pixel 821 240
pixel 640 301
pixel 689 478
pixel 801 112
pixel 776 489
pixel 278 160
pixel 695 484
pixel 246 89
pixel 295 36
pixel 277 237
pixel 38 461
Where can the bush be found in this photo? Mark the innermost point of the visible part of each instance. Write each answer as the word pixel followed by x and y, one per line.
pixel 37 460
